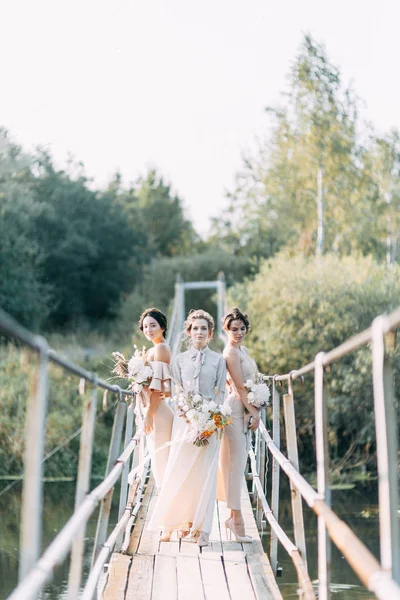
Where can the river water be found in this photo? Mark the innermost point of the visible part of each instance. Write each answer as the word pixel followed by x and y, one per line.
pixel 358 507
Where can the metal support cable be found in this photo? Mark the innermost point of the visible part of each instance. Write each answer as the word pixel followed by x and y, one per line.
pixel 55 450
pixel 16 331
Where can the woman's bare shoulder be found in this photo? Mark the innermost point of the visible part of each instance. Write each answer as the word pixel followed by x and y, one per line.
pixel 230 352
pixel 162 352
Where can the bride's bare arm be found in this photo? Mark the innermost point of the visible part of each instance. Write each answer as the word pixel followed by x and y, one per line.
pixel 162 353
pixel 232 358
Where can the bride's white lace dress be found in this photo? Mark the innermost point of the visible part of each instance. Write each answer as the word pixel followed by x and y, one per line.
pixel 187 496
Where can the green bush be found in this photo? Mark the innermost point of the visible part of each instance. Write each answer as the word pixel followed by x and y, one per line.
pixel 64 414
pixel 298 308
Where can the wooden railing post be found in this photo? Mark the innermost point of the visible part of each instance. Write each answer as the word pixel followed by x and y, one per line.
pixel 386 447
pixel 261 470
pixel 321 430
pixel 276 436
pixel 256 475
pixel 291 442
pixel 82 488
pixel 124 478
pixel 105 507
pixel 32 491
pixel 253 497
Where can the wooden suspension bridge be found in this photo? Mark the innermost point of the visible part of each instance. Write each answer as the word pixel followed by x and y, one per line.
pixel 129 562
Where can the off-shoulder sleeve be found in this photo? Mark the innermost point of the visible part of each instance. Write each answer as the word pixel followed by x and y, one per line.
pixel 161 381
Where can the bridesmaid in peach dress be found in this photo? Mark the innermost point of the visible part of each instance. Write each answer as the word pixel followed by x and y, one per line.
pixel 187 498
pixel 156 414
pixel 233 455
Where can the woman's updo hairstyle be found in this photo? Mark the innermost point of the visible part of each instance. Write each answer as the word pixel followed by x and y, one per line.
pixel 235 315
pixel 155 314
pixel 198 314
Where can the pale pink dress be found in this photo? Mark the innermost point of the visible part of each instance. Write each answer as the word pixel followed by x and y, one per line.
pixel 157 441
pixel 233 453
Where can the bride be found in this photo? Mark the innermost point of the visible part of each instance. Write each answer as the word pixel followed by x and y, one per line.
pixel 156 414
pixel 187 497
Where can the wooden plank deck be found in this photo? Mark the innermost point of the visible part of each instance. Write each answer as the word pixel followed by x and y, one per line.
pixel 180 570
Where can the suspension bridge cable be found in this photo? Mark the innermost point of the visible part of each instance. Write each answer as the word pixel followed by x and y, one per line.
pixel 55 450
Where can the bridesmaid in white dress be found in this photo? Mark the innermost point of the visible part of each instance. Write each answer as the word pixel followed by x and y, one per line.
pixel 233 456
pixel 187 498
pixel 157 415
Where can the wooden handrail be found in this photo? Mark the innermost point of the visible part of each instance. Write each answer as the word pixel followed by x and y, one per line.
pixel 375 576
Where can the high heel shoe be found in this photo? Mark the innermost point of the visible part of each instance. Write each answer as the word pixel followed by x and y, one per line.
pixel 182 534
pixel 243 539
pixel 203 539
pixel 165 536
pixel 194 535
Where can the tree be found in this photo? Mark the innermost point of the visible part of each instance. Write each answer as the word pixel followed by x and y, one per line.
pixel 159 215
pixel 311 185
pixel 87 243
pixel 386 165
pixel 68 252
pixel 23 291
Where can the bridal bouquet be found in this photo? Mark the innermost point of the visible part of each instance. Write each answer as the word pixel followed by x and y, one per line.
pixel 136 370
pixel 204 417
pixel 258 392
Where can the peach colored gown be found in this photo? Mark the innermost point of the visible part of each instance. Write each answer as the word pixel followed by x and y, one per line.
pixel 157 441
pixel 233 454
pixel 187 497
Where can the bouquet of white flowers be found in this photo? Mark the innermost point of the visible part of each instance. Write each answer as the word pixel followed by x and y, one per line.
pixel 204 417
pixel 258 392
pixel 137 369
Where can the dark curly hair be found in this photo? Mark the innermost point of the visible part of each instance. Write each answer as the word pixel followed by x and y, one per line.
pixel 157 315
pixel 235 314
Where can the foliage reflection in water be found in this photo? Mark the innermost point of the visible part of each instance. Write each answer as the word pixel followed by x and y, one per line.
pixel 59 498
pixel 358 507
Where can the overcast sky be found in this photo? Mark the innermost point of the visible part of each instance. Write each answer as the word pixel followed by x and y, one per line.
pixel 177 84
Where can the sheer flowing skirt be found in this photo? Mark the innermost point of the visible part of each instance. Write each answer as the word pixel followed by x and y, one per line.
pixel 187 497
pixel 158 441
pixel 233 456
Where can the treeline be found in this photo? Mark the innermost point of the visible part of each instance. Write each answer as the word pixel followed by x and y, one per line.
pixel 68 252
